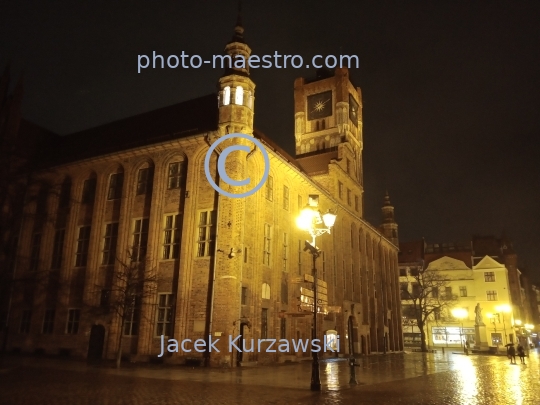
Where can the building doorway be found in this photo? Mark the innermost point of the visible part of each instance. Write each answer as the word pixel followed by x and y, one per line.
pixel 95 344
pixel 240 354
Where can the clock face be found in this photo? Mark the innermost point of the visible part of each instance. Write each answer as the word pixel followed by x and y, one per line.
pixel 353 110
pixel 319 105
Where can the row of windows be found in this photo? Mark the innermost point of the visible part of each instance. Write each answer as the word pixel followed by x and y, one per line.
pixel 349 197
pixel 171 241
pixel 72 322
pixel 145 177
pixel 491 294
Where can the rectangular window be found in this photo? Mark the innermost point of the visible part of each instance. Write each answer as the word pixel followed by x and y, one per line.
pixel 286 198
pixel 489 276
pixel 269 190
pixel 352 277
pixel 285 251
pixel 323 266
pixel 206 237
pixel 144 180
pixel 109 243
pixel 245 255
pixel 267 244
pixel 48 322
pixel 58 249
pixel 73 321
pixel 140 239
pixel 335 274
pixel 349 197
pixel 175 175
pixel 356 203
pixel 491 295
pixel 116 181
pixel 437 314
pixel 348 166
pixel 283 328
pixel 435 292
pixel 171 237
pixel 164 315
pixel 244 296
pixel 264 323
pixel 462 291
pixel 403 272
pixel 340 189
pixel 34 254
pixel 131 324
pixel 26 318
pixel 344 279
pixel 448 293
pixel 104 298
pixel 300 256
pixel 89 191
pixel 81 256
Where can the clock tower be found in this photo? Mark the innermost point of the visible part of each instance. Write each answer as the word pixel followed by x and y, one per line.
pixel 328 129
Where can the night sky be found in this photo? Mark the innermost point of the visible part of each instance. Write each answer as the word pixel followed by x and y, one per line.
pixel 451 90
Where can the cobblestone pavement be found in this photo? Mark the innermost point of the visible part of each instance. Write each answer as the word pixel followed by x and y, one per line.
pixel 414 378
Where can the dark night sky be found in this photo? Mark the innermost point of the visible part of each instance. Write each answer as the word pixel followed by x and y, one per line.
pixel 451 90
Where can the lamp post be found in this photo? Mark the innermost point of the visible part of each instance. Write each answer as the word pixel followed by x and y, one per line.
pixel 461 313
pixel 316 224
pixel 494 318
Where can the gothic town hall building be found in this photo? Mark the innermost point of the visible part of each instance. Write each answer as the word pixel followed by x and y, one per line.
pixel 80 210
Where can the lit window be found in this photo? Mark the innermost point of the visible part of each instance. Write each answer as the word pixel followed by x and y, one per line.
pixel 491 295
pixel 175 175
pixel 265 291
pixel 205 241
pixel 116 182
pixel 164 315
pixel 81 256
pixel 144 180
pixel 285 251
pixel 72 326
pixel 140 239
pixel 239 95
pixel 226 95
pixel 269 190
pixel 286 198
pixel 267 243
pixel 109 245
pixel 171 237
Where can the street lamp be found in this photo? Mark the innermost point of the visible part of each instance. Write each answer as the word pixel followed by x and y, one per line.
pixel 461 313
pixel 316 224
pixel 504 308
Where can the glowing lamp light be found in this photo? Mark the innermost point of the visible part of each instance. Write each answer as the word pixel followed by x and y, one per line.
pixel 306 218
pixel 329 219
pixel 529 326
pixel 503 308
pixel 518 322
pixel 459 313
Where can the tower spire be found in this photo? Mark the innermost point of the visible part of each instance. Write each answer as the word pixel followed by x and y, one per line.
pixel 389 226
pixel 238 35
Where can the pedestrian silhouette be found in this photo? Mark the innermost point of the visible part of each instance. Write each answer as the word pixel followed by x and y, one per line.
pixel 521 353
pixel 512 354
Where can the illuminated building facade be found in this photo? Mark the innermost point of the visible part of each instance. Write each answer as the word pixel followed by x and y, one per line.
pixel 135 190
pixel 474 279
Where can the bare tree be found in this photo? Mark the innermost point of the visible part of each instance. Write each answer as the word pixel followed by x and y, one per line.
pixel 132 282
pixel 428 298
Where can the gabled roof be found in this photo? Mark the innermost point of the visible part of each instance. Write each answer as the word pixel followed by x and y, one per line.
pixel 488 263
pixel 448 263
pixel 176 121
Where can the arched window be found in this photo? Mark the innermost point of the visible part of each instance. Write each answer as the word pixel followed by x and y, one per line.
pixel 239 95
pixel 265 291
pixel 316 125
pixel 323 124
pixel 226 95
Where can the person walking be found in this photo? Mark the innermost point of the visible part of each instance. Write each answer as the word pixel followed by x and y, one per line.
pixel 512 354
pixel 521 353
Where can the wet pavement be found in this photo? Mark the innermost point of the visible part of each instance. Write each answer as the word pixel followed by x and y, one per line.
pixel 410 378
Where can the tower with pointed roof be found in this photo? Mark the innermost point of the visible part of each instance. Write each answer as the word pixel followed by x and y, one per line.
pixel 389 226
pixel 236 89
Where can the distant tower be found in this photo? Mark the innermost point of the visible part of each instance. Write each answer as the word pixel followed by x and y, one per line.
pixel 389 226
pixel 236 90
